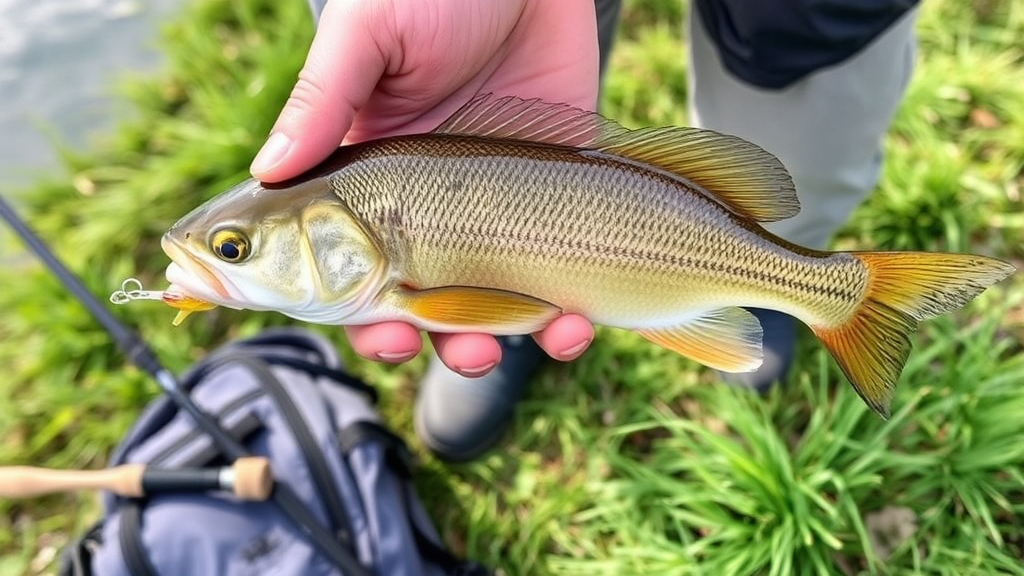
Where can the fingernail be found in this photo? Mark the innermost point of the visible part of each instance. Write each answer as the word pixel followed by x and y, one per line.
pixel 574 350
pixel 476 370
pixel 396 356
pixel 271 154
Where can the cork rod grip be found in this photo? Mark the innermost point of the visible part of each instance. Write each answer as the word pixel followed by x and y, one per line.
pixel 27 481
pixel 253 479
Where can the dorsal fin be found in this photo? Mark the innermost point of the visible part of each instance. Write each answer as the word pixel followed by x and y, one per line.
pixel 736 173
pixel 533 120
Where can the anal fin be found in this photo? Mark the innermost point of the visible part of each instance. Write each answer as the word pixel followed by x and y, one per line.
pixel 727 339
pixel 470 309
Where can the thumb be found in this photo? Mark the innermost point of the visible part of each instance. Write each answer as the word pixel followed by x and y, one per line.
pixel 344 64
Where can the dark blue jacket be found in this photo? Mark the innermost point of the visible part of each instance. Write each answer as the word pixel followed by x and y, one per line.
pixel 773 43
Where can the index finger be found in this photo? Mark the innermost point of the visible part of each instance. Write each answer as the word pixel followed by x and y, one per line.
pixel 347 58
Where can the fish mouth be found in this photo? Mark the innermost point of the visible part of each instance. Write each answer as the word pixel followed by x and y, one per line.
pixel 185 269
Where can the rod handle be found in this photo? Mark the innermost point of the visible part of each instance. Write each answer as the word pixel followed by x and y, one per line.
pixel 28 481
pixel 248 478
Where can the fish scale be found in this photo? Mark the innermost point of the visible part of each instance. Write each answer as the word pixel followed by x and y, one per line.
pixel 521 225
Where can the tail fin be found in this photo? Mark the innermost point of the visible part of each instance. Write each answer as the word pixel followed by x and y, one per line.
pixel 904 288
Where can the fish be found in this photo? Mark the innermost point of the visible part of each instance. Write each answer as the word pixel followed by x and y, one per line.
pixel 516 211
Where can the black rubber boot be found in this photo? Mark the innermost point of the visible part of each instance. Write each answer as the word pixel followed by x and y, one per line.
pixel 459 418
pixel 779 346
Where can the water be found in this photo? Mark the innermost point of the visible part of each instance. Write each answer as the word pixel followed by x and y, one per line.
pixel 59 61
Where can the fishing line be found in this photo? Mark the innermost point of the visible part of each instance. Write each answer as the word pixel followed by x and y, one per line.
pixel 138 352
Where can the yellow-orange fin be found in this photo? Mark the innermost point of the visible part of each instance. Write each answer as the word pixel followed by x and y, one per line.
pixel 736 173
pixel 180 317
pixel 465 309
pixel 742 176
pixel 727 339
pixel 903 288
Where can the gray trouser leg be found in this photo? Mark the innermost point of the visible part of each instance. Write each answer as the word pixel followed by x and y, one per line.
pixel 827 128
pixel 316 7
pixel 607 23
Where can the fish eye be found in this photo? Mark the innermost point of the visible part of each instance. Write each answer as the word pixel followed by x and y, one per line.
pixel 230 245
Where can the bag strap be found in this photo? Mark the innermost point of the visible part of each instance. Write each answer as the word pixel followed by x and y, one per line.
pixel 399 460
pixel 76 559
pixel 288 339
pixel 440 556
pixel 129 534
pixel 396 453
pixel 312 455
pixel 306 342
pixel 315 369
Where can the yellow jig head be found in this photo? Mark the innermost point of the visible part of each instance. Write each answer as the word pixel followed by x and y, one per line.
pixel 131 289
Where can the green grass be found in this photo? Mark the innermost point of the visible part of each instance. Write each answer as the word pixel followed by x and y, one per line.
pixel 630 460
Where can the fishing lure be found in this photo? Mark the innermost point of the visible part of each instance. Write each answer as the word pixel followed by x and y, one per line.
pixel 131 290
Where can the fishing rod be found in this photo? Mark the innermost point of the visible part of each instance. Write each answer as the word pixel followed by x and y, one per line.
pixel 139 353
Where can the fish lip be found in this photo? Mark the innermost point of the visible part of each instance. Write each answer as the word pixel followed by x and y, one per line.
pixel 190 264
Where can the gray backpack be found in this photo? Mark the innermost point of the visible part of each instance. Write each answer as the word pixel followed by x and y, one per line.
pixel 282 395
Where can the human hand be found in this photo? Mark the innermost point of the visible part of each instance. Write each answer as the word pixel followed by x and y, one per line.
pixel 384 67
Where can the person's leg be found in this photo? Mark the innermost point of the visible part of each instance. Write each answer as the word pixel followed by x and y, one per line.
pixel 459 418
pixel 826 128
pixel 607 24
pixel 316 7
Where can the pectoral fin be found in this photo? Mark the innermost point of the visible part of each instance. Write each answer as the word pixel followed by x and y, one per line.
pixel 727 339
pixel 469 309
